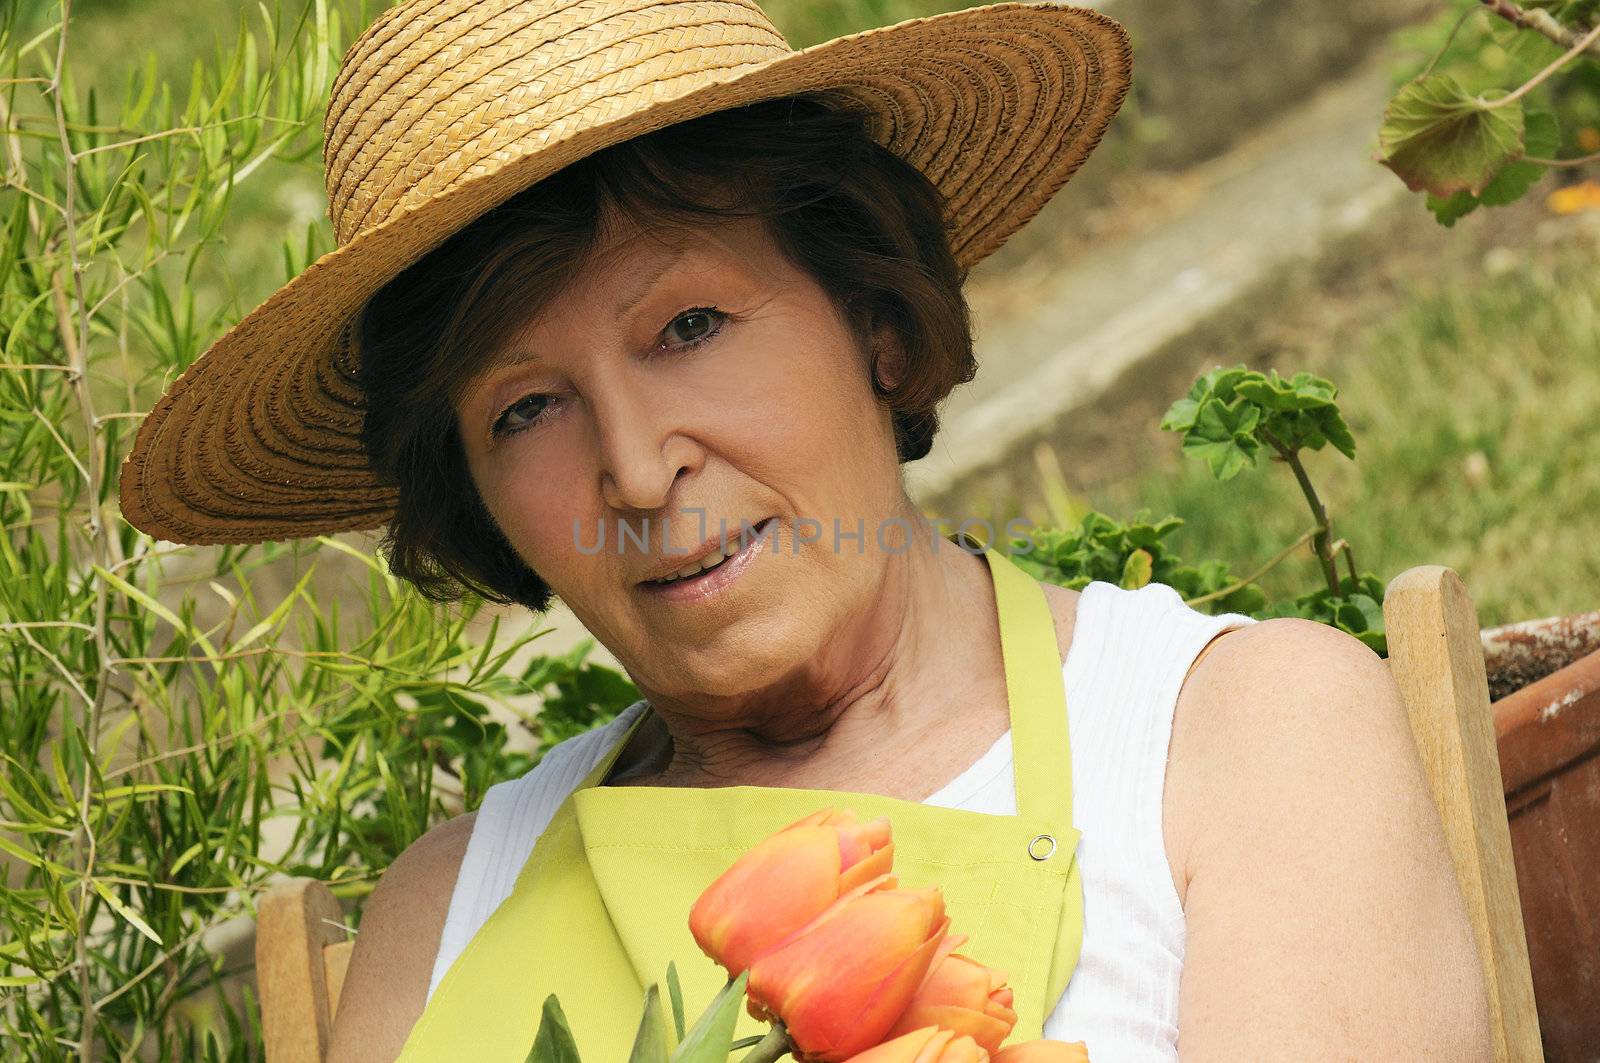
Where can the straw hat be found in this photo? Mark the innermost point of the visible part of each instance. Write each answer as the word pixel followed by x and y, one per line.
pixel 444 108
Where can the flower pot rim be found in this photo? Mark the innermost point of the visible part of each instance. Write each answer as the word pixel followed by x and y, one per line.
pixel 1520 654
pixel 1549 724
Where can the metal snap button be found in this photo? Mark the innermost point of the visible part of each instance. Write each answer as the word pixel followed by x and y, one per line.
pixel 1034 847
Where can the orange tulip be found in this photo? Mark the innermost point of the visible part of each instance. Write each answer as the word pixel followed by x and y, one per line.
pixel 843 980
pixel 961 995
pixel 785 882
pixel 927 1045
pixel 1044 1052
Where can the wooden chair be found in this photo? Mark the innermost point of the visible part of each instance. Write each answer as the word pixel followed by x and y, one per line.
pixel 1437 659
pixel 1436 656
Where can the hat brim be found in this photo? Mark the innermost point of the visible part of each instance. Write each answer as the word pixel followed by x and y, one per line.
pixel 260 439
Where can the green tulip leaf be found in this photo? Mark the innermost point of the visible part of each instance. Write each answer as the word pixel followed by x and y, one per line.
pixel 650 1043
pixel 709 1040
pixel 1438 137
pixel 554 1043
pixel 675 993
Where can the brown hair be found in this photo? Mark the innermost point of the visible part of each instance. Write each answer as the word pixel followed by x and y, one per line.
pixel 865 224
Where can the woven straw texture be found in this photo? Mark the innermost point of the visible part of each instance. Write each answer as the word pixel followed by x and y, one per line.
pixel 444 108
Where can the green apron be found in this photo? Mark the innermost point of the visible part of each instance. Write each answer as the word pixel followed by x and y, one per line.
pixel 602 903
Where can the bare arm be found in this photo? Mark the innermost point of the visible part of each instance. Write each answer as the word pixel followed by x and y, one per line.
pixel 387 983
pixel 1324 920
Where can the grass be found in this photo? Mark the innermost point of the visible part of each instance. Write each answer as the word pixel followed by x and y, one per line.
pixel 1473 397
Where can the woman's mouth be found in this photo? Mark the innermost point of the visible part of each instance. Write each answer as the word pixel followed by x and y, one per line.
pixel 716 571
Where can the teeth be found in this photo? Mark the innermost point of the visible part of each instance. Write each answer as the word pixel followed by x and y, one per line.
pixel 711 560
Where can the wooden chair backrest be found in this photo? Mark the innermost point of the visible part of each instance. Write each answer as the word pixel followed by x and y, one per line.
pixel 1436 657
pixel 302 950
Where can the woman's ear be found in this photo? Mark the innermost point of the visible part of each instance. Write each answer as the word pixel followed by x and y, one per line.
pixel 888 359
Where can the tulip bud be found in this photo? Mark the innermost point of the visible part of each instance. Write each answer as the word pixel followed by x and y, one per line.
pixel 961 995
pixel 785 882
pixel 1044 1052
pixel 927 1045
pixel 840 983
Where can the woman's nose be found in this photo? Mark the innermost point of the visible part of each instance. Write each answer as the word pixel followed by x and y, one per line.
pixel 642 450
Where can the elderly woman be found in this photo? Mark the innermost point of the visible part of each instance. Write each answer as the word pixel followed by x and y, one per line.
pixel 638 309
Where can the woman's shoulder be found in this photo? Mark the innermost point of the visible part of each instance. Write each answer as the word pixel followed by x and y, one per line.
pixel 1281 669
pixel 1243 694
pixel 1063 605
pixel 401 923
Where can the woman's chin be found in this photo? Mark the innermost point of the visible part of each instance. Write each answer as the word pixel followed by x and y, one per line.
pixel 735 662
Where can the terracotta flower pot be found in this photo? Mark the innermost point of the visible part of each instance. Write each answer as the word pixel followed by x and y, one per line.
pixel 1549 741
pixel 1522 653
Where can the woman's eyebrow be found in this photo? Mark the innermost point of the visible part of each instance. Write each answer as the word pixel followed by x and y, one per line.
pixel 655 278
pixel 519 353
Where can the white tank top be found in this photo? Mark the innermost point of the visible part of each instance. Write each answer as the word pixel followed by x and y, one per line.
pixel 1129 654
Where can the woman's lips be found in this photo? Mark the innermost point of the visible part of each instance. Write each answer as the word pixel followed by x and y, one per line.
pixel 712 581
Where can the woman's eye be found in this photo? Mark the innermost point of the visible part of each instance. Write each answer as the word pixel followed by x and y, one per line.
pixel 692 327
pixel 520 414
pixel 696 326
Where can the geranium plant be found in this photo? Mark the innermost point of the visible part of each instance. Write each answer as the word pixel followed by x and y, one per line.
pixel 1230 419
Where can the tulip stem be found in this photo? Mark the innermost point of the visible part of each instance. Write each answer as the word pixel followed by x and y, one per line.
pixel 773 1047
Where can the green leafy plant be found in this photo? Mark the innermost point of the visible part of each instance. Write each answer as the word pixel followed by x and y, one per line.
pixel 1228 420
pixel 1233 415
pixel 577 694
pixel 1130 554
pixel 1456 132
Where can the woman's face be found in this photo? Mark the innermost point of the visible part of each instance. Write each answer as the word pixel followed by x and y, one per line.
pixel 690 370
